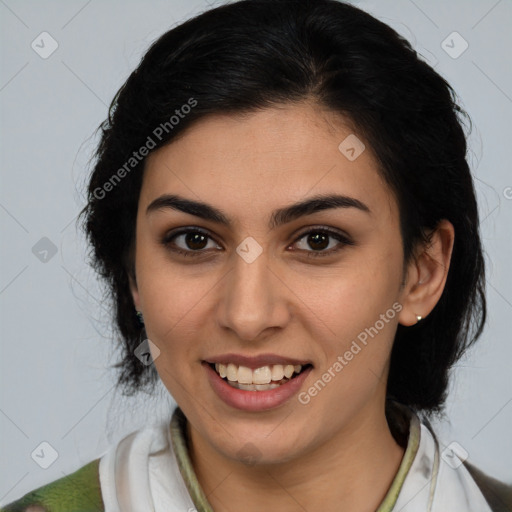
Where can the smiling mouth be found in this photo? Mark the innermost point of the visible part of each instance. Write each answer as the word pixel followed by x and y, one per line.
pixel 259 379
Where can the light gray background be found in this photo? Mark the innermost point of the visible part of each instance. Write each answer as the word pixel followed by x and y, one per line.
pixel 55 333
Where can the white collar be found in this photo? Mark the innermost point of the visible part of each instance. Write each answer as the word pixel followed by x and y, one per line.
pixel 141 474
pixel 438 482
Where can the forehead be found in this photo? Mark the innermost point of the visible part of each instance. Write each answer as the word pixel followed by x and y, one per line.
pixel 255 162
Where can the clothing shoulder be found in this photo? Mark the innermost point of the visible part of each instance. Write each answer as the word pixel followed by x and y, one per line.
pixel 78 491
pixel 497 494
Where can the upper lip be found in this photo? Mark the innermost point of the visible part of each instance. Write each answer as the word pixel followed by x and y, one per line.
pixel 254 362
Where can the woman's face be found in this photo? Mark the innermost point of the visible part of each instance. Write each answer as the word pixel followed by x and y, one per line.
pixel 252 293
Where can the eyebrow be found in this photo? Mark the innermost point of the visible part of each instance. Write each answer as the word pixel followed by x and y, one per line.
pixel 279 217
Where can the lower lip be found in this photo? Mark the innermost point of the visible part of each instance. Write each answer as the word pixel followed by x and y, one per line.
pixel 254 400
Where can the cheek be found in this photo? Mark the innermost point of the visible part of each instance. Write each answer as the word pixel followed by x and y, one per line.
pixel 358 310
pixel 172 294
pixel 171 304
pixel 353 297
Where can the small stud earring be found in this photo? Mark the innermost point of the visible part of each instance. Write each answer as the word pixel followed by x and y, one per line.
pixel 418 318
pixel 140 317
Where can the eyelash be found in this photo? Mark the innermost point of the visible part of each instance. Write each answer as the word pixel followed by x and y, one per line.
pixel 166 241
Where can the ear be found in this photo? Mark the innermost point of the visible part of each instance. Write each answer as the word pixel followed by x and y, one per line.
pixel 426 274
pixel 134 291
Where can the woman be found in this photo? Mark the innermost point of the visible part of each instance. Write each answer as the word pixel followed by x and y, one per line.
pixel 282 208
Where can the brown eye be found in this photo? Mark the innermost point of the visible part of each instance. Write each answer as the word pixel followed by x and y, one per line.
pixel 195 240
pixel 192 242
pixel 318 239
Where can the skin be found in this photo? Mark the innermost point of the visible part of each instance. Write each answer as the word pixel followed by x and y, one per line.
pixel 336 449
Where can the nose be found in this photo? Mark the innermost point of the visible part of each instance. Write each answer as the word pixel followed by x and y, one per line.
pixel 254 299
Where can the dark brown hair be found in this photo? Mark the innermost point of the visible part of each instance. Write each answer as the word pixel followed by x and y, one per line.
pixel 253 54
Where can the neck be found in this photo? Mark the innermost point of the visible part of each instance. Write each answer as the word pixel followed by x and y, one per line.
pixel 355 468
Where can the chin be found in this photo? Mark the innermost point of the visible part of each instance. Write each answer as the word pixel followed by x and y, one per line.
pixel 266 444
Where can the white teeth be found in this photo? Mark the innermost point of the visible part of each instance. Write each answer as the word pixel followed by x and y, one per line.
pixel 232 372
pixel 277 372
pixel 263 376
pixel 244 375
pixel 288 370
